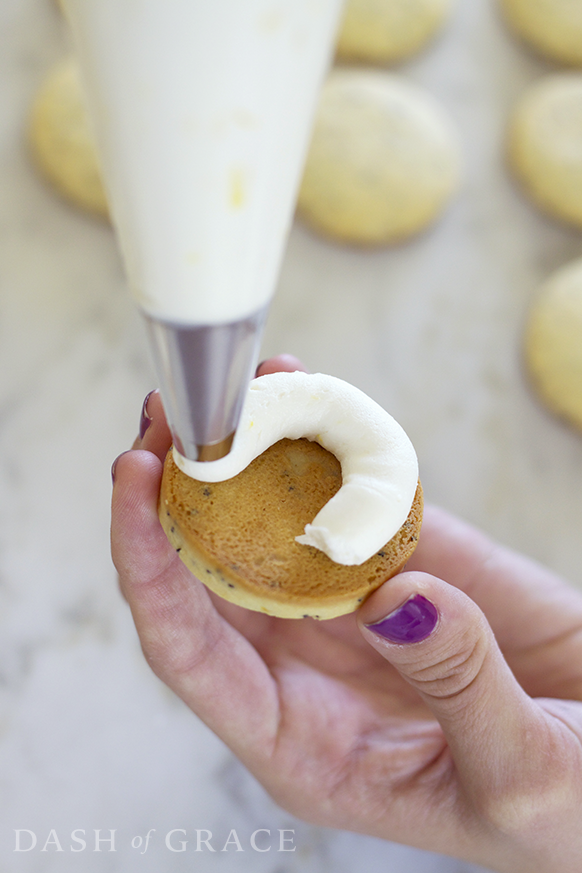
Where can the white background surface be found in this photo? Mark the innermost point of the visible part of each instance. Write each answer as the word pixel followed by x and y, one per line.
pixel 88 737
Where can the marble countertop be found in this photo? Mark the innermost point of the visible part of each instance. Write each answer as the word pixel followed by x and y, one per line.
pixel 89 738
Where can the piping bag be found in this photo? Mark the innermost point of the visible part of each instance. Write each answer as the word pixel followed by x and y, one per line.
pixel 202 112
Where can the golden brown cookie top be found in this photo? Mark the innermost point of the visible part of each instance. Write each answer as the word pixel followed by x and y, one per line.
pixel 244 530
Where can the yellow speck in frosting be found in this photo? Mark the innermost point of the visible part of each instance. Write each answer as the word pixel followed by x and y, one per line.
pixel 271 21
pixel 238 193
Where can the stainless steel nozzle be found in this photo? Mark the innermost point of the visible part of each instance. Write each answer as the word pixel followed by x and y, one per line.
pixel 204 372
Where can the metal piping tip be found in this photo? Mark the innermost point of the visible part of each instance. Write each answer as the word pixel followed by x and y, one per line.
pixel 204 373
pixel 215 451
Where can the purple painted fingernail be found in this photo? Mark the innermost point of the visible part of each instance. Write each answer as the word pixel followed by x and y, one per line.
pixel 259 367
pixel 114 465
pixel 145 419
pixel 412 622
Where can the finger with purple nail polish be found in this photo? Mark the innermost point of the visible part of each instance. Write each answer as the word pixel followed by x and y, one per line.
pixel 412 622
pixel 114 465
pixel 145 419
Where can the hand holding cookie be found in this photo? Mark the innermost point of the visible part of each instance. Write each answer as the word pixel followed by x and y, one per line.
pixel 405 720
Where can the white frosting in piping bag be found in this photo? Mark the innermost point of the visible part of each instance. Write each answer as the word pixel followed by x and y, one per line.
pixel 378 461
pixel 202 111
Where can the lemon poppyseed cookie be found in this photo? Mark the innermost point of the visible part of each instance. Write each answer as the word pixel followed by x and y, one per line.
pixel 553 343
pixel 386 31
pixel 552 27
pixel 545 145
pixel 61 141
pixel 383 162
pixel 238 536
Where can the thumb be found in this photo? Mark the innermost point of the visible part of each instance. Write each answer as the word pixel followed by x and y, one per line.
pixel 441 643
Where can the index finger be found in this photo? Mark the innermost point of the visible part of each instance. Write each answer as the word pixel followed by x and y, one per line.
pixel 196 652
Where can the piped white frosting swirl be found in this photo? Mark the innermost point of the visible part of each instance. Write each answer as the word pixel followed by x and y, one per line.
pixel 378 461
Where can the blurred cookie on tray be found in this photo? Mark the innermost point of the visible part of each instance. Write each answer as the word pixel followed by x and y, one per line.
pixel 545 145
pixel 384 159
pixel 388 31
pixel 553 343
pixel 553 28
pixel 61 141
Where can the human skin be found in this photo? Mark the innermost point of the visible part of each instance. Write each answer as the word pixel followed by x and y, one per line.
pixel 467 742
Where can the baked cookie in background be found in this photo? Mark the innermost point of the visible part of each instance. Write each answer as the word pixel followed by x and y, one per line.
pixel 545 145
pixel 552 27
pixel 553 343
pixel 384 159
pixel 387 31
pixel 61 142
